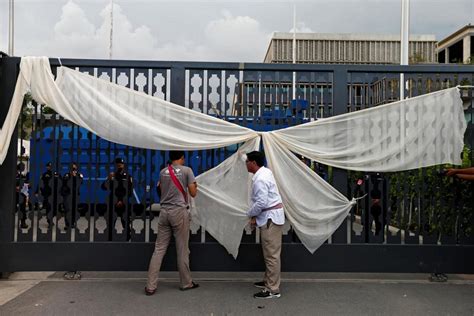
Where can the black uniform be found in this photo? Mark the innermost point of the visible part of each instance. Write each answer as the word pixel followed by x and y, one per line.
pixel 70 189
pixel 49 192
pixel 120 187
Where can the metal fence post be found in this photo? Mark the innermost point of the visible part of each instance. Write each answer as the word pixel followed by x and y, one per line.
pixel 177 82
pixel 339 176
pixel 8 74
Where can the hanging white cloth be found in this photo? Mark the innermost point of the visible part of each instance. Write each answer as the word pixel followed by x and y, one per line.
pixel 412 133
pixel 314 208
pixel 418 132
pixel 125 116
pixel 223 199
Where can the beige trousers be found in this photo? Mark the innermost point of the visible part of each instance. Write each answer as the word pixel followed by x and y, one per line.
pixel 270 237
pixel 176 222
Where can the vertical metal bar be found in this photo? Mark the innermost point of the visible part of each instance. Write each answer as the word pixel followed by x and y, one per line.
pixel 339 176
pixel 177 85
pixel 9 73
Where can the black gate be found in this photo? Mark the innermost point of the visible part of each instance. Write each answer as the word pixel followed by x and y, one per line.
pixel 421 221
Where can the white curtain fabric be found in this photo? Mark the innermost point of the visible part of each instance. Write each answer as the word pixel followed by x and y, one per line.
pixel 223 199
pixel 128 117
pixel 418 132
pixel 314 208
pixel 413 133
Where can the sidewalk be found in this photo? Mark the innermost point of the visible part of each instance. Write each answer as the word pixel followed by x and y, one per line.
pixel 121 293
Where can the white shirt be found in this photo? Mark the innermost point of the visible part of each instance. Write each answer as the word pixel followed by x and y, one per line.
pixel 264 195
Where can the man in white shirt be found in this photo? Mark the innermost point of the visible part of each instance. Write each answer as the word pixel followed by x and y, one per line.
pixel 266 212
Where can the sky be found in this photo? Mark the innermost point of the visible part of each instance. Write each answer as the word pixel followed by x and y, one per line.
pixel 212 30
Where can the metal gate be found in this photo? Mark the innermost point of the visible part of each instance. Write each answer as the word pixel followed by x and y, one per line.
pixel 423 223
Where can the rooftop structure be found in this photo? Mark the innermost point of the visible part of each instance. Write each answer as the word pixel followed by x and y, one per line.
pixel 315 48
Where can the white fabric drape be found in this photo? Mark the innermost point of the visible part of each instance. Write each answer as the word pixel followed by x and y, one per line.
pixel 9 125
pixel 124 116
pixel 223 199
pixel 314 208
pixel 413 133
pixel 418 132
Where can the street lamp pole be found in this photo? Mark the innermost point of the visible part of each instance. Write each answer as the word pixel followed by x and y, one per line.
pixel 11 25
pixel 294 51
pixel 404 42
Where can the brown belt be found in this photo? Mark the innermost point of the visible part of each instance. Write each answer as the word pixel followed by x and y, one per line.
pixel 279 205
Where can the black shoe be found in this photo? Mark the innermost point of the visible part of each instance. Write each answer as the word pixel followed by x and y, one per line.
pixel 72 275
pixel 193 286
pixel 266 294
pixel 260 285
pixel 149 292
pixel 438 277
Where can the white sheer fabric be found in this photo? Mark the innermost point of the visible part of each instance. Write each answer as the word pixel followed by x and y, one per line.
pixel 413 133
pixel 124 116
pixel 21 88
pixel 314 208
pixel 418 132
pixel 223 199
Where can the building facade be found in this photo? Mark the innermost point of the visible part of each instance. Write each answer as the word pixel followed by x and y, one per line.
pixel 457 47
pixel 316 48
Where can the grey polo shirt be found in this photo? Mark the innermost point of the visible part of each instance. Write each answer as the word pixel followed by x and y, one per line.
pixel 171 197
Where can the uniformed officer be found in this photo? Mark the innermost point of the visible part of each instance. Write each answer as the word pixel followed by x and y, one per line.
pixel 49 190
pixel 120 186
pixel 70 189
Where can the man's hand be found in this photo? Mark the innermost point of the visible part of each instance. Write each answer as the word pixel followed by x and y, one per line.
pixel 111 175
pixel 451 172
pixel 253 223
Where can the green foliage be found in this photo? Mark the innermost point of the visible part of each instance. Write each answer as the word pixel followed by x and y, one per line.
pixel 470 60
pixel 25 120
pixel 427 202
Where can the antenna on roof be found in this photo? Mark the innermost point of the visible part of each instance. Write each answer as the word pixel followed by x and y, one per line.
pixel 111 37
pixel 294 50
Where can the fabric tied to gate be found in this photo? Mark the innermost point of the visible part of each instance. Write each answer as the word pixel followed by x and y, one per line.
pixel 418 132
pixel 413 133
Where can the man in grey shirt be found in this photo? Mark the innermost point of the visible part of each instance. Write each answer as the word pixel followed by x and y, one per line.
pixel 176 181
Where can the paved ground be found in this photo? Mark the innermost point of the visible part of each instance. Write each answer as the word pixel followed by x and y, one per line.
pixel 121 293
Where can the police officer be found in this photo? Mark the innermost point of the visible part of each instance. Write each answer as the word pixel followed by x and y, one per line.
pixel 120 186
pixel 49 190
pixel 70 187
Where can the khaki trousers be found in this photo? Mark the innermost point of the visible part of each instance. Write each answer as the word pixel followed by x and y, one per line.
pixel 176 222
pixel 270 237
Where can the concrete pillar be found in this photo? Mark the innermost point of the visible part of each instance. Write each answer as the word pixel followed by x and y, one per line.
pixel 466 51
pixel 446 55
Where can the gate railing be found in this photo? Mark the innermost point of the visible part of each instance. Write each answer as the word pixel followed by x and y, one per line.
pixel 420 207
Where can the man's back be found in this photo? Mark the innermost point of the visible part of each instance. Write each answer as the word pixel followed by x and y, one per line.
pixel 171 196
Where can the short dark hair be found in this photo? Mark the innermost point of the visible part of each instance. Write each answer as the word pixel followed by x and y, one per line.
pixel 257 156
pixel 20 166
pixel 119 160
pixel 176 154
